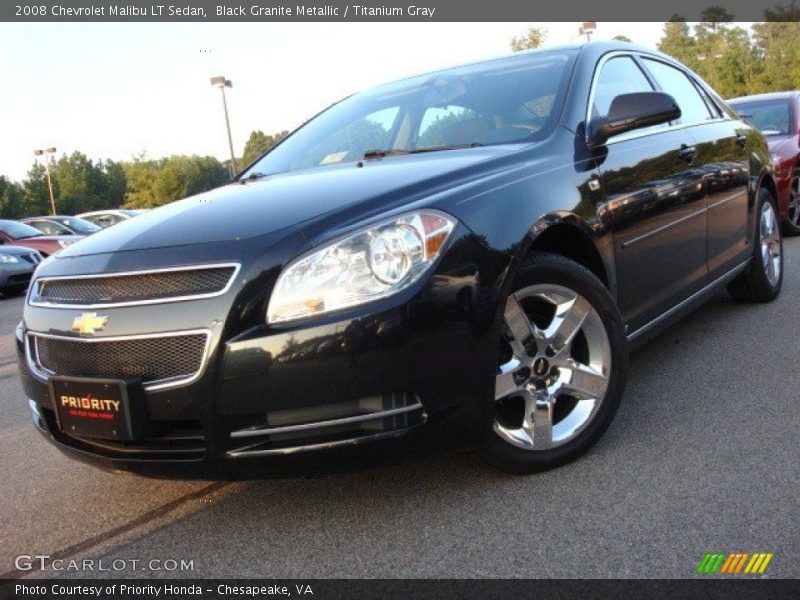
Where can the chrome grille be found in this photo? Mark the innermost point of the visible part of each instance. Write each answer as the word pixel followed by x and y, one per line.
pixel 143 287
pixel 155 360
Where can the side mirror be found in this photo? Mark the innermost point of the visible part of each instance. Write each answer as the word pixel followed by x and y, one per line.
pixel 633 111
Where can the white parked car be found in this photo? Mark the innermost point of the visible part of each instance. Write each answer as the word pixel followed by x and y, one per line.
pixel 107 218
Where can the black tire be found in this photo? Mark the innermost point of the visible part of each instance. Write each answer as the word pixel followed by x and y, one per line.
pixel 753 284
pixel 12 291
pixel 546 268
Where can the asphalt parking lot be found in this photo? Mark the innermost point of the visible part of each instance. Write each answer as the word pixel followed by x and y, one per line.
pixel 703 457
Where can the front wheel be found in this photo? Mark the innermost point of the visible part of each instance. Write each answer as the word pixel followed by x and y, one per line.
pixel 561 367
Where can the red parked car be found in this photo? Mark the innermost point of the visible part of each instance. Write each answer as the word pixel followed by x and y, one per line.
pixel 777 115
pixel 20 234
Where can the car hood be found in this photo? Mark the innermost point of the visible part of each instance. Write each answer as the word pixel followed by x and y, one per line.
pixel 49 238
pixel 785 146
pixel 259 207
pixel 14 250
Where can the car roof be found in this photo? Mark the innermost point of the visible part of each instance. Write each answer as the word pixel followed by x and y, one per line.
pixel 595 49
pixel 110 211
pixel 767 96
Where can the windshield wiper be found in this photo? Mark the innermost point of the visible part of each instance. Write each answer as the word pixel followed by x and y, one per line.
pixel 382 153
pixel 251 177
pixel 397 152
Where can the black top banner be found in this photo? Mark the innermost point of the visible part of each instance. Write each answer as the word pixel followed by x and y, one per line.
pixel 390 10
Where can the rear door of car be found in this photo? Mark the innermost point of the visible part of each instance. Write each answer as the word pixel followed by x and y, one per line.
pixel 653 202
pixel 721 151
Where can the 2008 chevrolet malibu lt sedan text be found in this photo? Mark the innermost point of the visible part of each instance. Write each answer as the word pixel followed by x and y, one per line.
pixel 460 259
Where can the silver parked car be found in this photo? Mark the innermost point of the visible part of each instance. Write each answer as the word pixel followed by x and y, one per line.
pixel 17 265
pixel 107 218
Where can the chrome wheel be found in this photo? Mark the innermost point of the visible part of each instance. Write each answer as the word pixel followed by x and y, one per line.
pixel 555 364
pixel 770 240
pixel 794 202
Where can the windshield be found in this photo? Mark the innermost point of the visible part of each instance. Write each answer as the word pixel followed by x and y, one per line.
pixel 770 117
pixel 79 225
pixel 514 99
pixel 18 231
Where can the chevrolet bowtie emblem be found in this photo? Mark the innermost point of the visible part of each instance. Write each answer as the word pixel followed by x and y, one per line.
pixel 89 323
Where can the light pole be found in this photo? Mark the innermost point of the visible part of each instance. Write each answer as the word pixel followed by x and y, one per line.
pixel 222 83
pixel 587 29
pixel 44 152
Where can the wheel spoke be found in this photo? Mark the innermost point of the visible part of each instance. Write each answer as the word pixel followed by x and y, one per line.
pixel 538 421
pixel 581 381
pixel 543 423
pixel 768 223
pixel 505 383
pixel 568 320
pixel 518 324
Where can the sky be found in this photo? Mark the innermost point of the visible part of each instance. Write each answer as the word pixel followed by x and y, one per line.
pixel 115 90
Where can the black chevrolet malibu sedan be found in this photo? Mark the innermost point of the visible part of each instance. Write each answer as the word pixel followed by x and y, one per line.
pixel 460 259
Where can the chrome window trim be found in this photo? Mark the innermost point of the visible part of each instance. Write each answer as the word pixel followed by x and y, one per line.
pixel 34 293
pixel 631 135
pixel 43 374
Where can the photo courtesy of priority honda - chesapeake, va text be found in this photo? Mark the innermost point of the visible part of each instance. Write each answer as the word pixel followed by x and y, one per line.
pixel 460 259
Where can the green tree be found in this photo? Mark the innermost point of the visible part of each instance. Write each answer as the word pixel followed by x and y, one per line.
pixel 177 177
pixel 11 199
pixel 139 176
pixel 778 47
pixel 35 195
pixel 726 60
pixel 720 53
pixel 114 184
pixel 533 38
pixel 258 143
pixel 677 40
pixel 81 184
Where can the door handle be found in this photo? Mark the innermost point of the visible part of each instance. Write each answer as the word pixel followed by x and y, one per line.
pixel 687 153
pixel 741 140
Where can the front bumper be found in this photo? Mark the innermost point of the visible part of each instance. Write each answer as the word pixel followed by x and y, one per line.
pixel 379 383
pixel 15 275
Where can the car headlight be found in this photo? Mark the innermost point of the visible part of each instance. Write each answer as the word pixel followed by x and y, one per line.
pixel 370 264
pixel 7 258
pixel 65 243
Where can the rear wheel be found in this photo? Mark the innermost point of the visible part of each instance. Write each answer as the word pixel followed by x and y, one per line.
pixel 561 367
pixel 761 281
pixel 792 224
